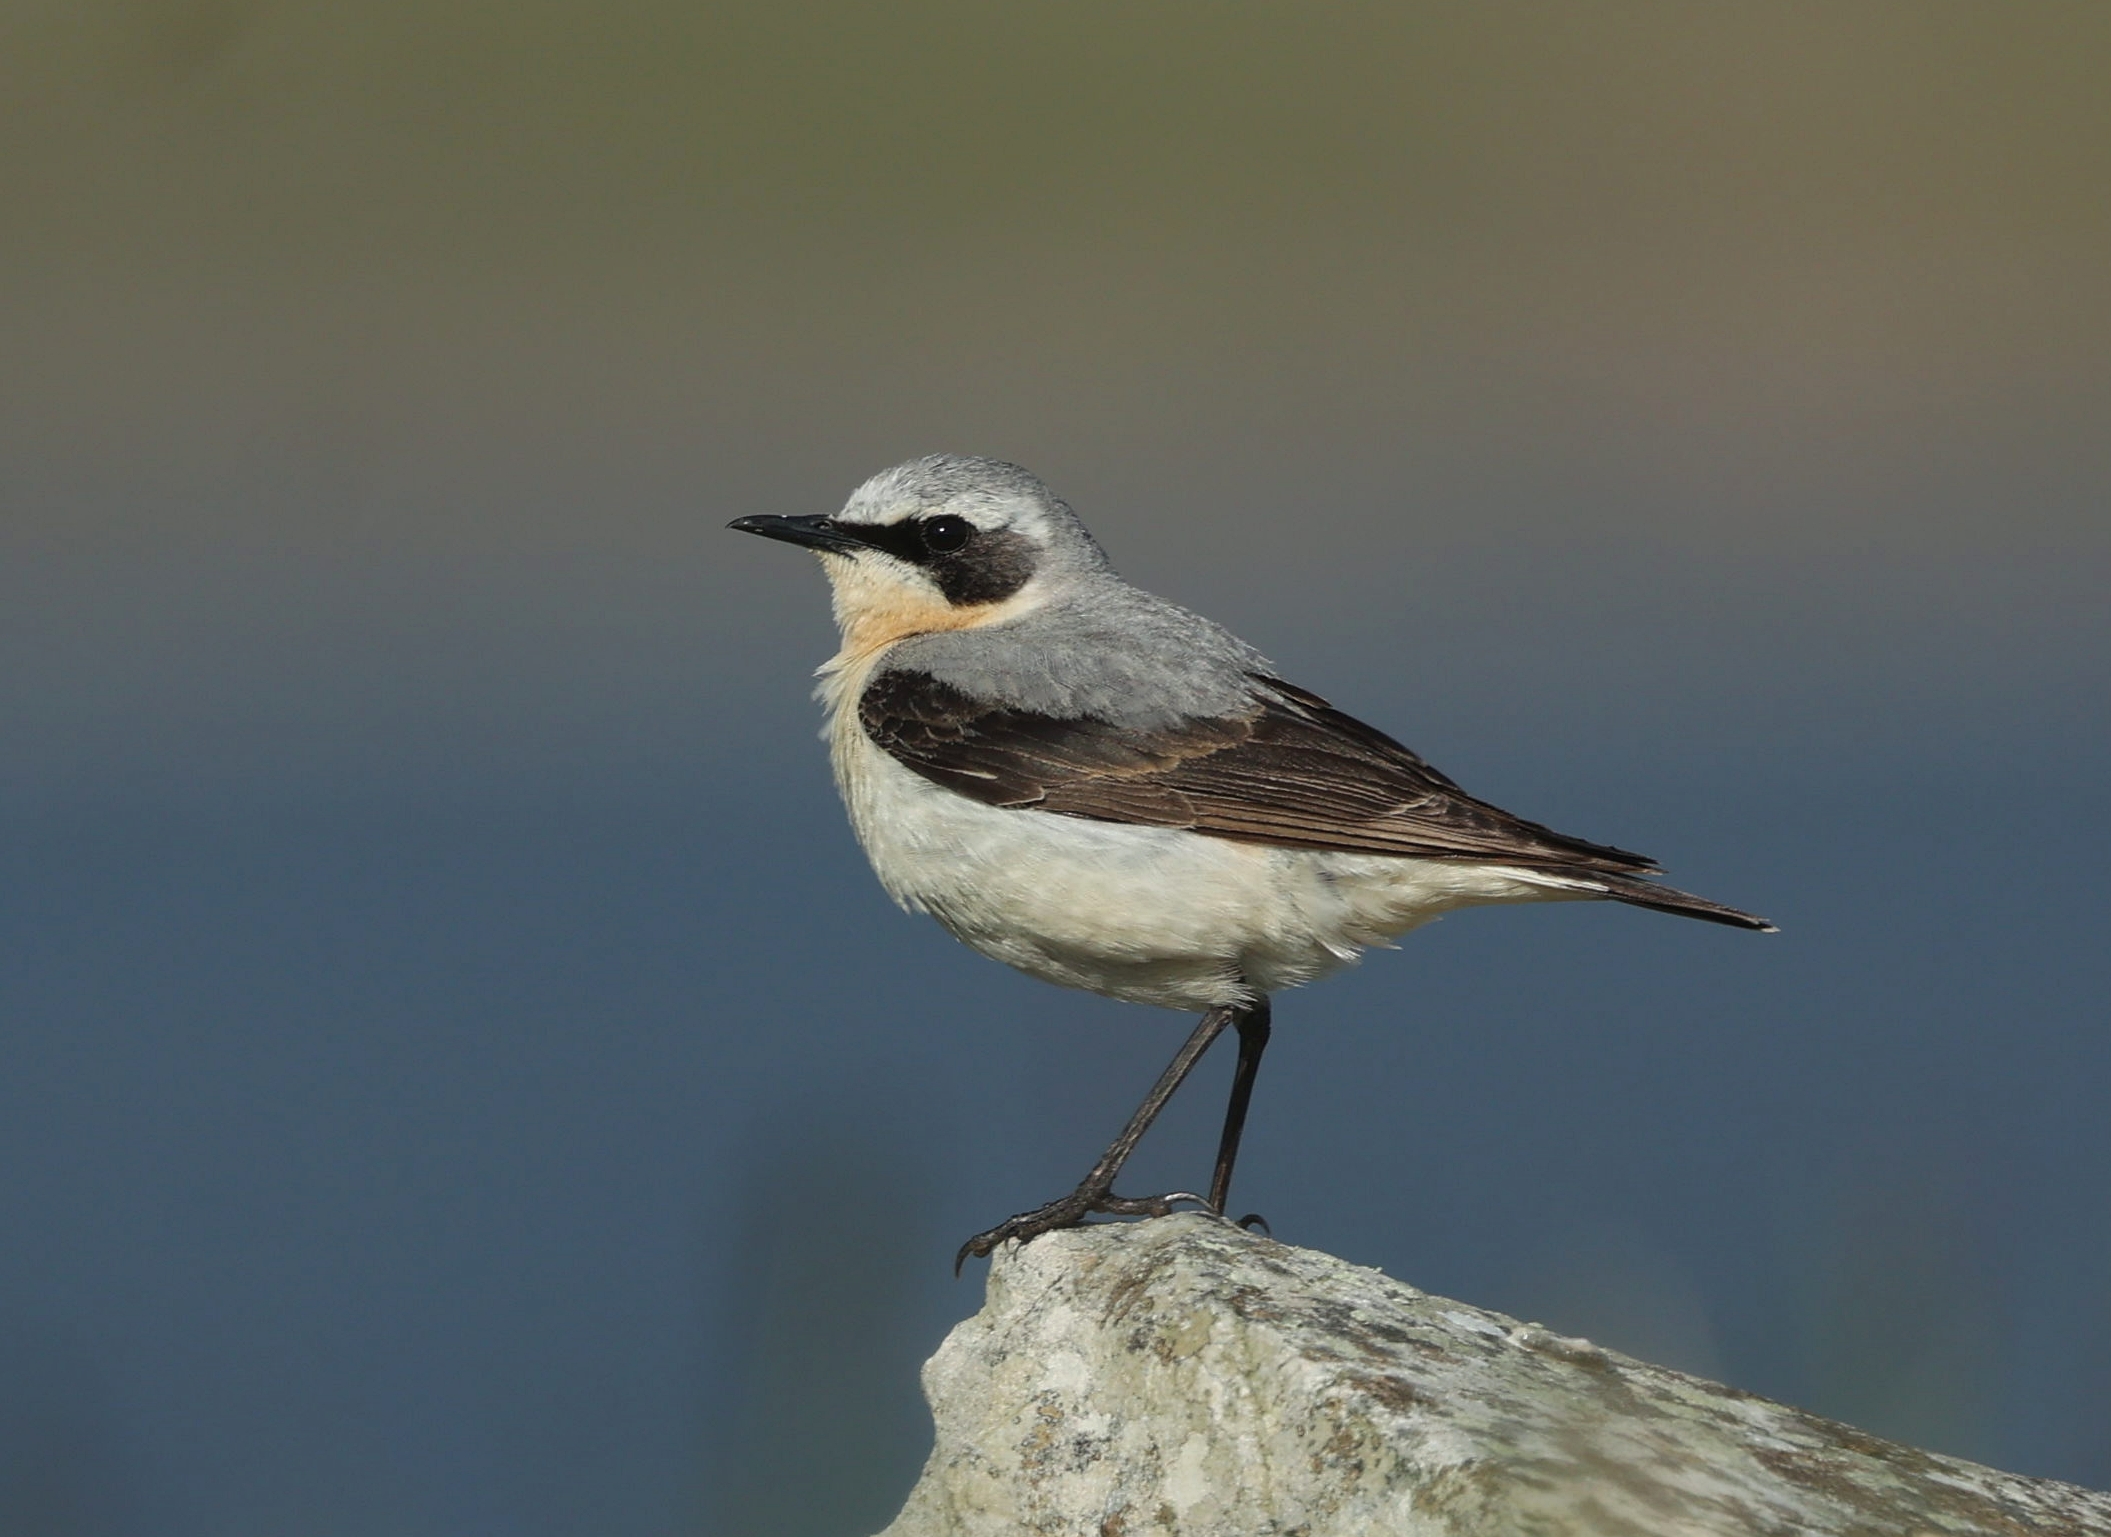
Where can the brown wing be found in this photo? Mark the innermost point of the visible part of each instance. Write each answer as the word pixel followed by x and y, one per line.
pixel 1289 770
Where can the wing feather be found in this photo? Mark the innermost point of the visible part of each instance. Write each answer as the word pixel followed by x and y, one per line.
pixel 1289 770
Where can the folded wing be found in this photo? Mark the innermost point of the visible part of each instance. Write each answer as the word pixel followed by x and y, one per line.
pixel 1289 770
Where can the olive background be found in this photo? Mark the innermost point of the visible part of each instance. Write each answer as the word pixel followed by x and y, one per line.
pixel 456 1072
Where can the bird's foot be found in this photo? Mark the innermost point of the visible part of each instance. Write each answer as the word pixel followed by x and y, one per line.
pixel 1070 1211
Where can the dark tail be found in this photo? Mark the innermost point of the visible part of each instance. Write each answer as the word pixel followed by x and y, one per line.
pixel 1669 899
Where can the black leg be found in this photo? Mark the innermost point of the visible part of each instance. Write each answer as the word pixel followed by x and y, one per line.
pixel 1095 1193
pixel 1253 1040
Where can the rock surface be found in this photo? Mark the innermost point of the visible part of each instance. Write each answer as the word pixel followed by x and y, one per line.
pixel 1182 1376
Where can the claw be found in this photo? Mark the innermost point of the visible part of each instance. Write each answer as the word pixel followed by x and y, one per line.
pixel 1026 1226
pixel 1071 1211
pixel 1114 1205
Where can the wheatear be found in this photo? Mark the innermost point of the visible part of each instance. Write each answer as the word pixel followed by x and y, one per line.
pixel 1109 792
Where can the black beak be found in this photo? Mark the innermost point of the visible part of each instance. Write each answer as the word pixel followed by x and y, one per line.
pixel 814 533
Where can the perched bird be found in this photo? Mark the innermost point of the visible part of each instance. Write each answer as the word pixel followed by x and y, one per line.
pixel 1108 792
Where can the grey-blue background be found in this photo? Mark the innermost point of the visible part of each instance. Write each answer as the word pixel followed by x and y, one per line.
pixel 456 1074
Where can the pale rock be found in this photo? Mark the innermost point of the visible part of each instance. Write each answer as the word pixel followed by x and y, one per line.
pixel 1180 1375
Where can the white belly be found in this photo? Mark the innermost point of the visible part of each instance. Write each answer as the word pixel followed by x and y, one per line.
pixel 1151 915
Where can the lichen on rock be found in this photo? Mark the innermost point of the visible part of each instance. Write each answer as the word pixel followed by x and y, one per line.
pixel 1182 1376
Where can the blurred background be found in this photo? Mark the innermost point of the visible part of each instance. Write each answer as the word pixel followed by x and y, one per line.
pixel 456 1072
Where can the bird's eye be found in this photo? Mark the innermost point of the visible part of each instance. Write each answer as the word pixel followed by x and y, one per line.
pixel 946 533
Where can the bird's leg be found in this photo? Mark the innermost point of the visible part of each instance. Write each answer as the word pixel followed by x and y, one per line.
pixel 1253 1040
pixel 1095 1193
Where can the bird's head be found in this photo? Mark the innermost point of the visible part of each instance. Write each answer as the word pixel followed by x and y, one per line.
pixel 946 542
